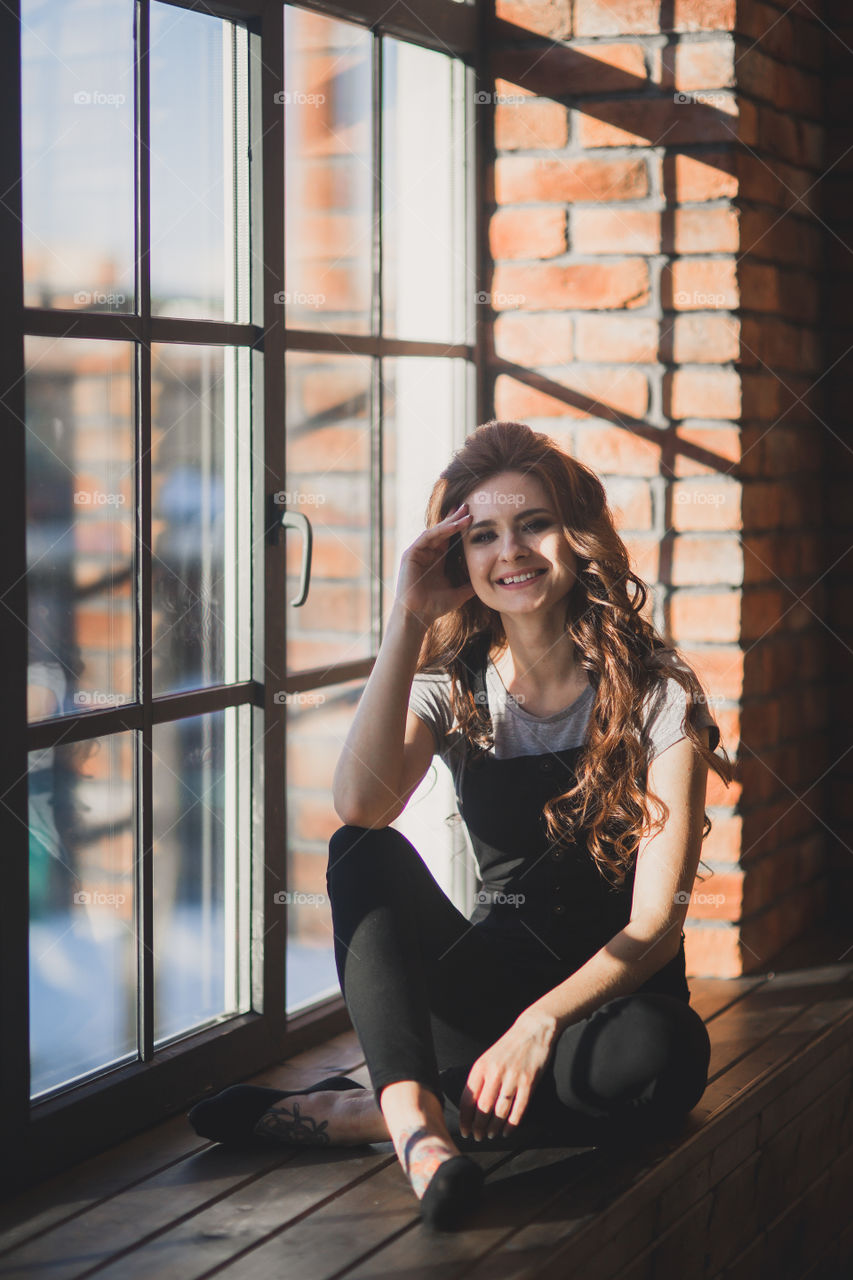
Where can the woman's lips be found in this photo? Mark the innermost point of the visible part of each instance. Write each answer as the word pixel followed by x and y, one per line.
pixel 513 586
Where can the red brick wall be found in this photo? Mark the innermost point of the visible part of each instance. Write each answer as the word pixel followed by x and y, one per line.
pixel 657 254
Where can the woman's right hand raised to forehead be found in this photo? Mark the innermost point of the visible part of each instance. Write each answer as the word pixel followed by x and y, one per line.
pixel 423 587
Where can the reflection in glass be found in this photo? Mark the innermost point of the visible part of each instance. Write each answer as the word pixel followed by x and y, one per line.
pixel 199 159
pixel 194 490
pixel 426 275
pixel 424 407
pixel 317 725
pixel 328 167
pixel 329 481
pixel 82 938
pixel 77 138
pixel 200 855
pixel 80 485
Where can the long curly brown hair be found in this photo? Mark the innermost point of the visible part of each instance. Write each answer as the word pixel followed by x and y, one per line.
pixel 621 651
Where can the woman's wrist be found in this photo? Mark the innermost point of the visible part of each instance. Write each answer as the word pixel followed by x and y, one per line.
pixel 539 1024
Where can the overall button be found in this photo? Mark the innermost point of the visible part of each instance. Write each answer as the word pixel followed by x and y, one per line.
pixel 559 909
pixel 558 854
pixel 546 765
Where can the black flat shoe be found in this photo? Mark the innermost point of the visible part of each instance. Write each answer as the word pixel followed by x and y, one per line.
pixel 230 1116
pixel 454 1191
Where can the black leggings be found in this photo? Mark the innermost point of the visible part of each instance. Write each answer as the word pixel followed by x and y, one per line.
pixel 428 992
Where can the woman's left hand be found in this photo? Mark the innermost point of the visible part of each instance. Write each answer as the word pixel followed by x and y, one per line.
pixel 502 1079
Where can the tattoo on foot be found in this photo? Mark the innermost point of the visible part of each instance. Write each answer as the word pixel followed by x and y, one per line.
pixel 283 1124
pixel 421 1153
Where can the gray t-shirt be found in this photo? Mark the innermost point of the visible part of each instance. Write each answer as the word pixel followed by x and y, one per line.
pixel 518 732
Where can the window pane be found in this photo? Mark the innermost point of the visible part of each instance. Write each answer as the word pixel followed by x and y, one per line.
pixel 317 725
pixel 198 172
pixel 328 173
pixel 77 138
pixel 425 272
pixel 194 491
pixel 82 947
pixel 424 404
pixel 201 904
pixel 329 481
pixel 80 452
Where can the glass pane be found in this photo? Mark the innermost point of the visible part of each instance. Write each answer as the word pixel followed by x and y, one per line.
pixel 328 173
pixel 424 405
pixel 329 481
pixel 82 939
pixel 77 138
pixel 198 396
pixel 201 901
pixel 80 450
pixel 198 174
pixel 425 273
pixel 317 725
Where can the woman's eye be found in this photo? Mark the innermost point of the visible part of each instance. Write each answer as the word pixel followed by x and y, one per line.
pixel 541 523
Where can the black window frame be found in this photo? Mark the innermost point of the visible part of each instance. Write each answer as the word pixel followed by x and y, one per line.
pixel 82 1119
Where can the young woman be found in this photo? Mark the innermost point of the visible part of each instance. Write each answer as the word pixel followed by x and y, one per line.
pixel 579 744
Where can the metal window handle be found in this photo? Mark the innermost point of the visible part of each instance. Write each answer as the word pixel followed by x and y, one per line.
pixel 296 520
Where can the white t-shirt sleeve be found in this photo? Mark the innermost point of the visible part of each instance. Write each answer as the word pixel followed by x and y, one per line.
pixel 665 718
pixel 430 701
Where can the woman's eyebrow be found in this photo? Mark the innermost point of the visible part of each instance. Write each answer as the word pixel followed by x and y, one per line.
pixel 522 515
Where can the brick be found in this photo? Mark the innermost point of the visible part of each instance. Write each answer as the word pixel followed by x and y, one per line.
pixel 699 64
pixel 706 503
pixel 711 952
pixel 527 233
pixel 699 561
pixel 701 284
pixel 707 176
pixel 724 842
pixel 631 503
pixel 617 337
pixel 651 121
pixel 703 337
pixel 616 451
pixel 642 17
pixel 615 231
pixel 591 285
pixel 705 616
pixel 544 17
pixel 703 229
pixel 717 897
pixel 524 179
pixel 555 71
pixel 720 670
pixel 534 340
pixel 535 123
pixel 702 393
pixel 622 390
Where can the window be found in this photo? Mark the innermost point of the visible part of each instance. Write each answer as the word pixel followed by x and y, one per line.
pixel 247 270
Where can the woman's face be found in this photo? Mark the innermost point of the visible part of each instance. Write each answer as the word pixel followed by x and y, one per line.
pixel 515 530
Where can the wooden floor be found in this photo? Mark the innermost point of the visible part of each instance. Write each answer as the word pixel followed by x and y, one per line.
pixel 169 1204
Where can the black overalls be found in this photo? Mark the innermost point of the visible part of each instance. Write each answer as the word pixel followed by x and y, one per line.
pixel 428 990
